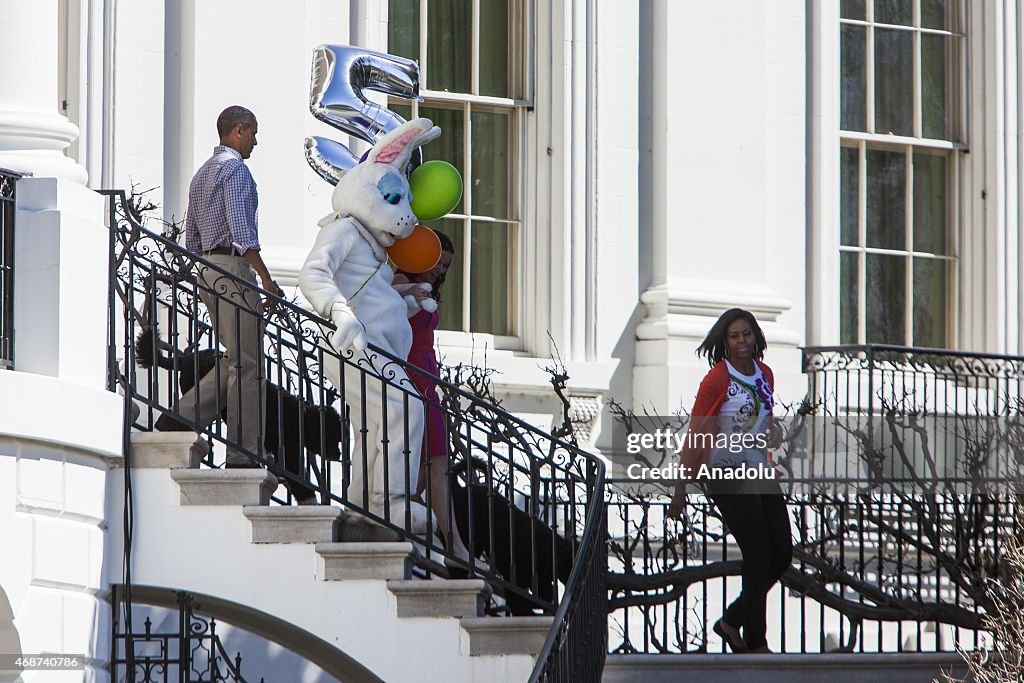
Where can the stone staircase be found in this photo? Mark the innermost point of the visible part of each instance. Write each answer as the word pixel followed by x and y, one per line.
pixel 213 532
pixel 903 667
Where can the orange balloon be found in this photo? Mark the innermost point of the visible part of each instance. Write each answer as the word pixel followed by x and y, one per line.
pixel 417 253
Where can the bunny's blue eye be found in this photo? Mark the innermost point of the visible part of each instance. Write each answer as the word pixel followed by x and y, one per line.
pixel 392 188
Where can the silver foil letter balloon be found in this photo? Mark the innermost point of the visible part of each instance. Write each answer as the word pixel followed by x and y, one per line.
pixel 340 74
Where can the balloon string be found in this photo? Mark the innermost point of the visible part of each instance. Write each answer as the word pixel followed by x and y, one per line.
pixel 378 251
pixel 353 297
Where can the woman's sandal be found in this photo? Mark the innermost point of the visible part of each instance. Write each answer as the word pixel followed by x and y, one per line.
pixel 735 643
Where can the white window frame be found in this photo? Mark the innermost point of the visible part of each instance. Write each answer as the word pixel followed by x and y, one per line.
pixel 862 143
pixel 516 109
pixel 826 140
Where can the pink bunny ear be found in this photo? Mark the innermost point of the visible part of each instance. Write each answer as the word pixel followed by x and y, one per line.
pixel 396 147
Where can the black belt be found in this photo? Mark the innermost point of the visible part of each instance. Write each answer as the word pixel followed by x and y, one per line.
pixel 222 251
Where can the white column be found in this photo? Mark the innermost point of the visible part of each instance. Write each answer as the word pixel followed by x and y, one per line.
pixel 33 136
pixel 727 178
pixel 822 178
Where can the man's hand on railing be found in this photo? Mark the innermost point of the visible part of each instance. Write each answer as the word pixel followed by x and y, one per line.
pixel 350 332
pixel 270 305
pixel 256 261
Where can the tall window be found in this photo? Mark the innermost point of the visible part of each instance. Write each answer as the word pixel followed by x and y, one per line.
pixel 901 136
pixel 471 56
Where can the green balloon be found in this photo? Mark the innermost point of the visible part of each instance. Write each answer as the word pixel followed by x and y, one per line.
pixel 436 189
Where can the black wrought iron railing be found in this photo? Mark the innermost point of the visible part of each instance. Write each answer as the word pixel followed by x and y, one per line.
pixel 868 379
pixel 575 648
pixel 868 574
pixel 522 501
pixel 904 475
pixel 949 399
pixel 8 188
pixel 189 650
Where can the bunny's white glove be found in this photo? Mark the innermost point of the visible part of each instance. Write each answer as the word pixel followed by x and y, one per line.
pixel 350 332
pixel 414 304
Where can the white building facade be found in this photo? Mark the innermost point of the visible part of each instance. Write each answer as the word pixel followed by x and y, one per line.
pixel 850 171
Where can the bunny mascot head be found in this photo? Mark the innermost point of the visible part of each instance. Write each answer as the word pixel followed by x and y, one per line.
pixel 346 279
pixel 376 192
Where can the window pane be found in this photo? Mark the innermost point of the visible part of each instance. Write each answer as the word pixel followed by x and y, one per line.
pixel 450 146
pixel 930 203
pixel 849 298
pixel 935 14
pixel 494 48
pixel 852 9
pixel 886 199
pixel 449 45
pixel 489 278
pixel 490 154
pixel 885 300
pixel 934 100
pixel 404 28
pixel 894 69
pixel 450 308
pixel 894 12
pixel 930 302
pixel 853 84
pixel 398 106
pixel 848 179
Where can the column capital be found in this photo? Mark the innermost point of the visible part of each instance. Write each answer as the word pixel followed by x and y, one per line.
pixel 33 136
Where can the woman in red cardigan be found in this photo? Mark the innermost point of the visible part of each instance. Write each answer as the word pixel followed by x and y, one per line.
pixel 734 406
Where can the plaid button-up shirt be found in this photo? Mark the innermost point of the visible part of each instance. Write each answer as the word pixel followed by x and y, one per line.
pixel 222 203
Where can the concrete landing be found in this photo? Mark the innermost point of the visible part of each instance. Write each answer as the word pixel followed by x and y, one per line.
pixel 732 668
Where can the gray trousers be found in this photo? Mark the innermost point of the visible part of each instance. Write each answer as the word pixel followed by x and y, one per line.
pixel 235 381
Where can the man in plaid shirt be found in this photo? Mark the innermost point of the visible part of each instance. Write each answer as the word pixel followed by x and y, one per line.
pixel 221 227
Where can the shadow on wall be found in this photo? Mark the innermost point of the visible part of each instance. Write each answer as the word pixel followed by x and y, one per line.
pixel 271 648
pixel 261 658
pixel 10 642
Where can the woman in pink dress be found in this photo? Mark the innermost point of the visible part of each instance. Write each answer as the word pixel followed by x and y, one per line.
pixel 435 438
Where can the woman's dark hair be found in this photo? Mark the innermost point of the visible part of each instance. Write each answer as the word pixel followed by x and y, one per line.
pixel 713 346
pixel 446 245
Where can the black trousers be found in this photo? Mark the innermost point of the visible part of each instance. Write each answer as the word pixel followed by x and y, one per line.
pixel 760 524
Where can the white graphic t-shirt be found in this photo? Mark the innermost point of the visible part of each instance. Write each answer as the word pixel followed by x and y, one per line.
pixel 746 410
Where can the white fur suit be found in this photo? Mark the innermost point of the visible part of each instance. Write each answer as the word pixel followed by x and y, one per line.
pixel 346 279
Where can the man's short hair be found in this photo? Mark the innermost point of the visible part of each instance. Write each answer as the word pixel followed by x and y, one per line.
pixel 231 117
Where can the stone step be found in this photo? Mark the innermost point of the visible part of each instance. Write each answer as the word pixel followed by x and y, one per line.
pixel 224 487
pixel 353 561
pixel 440 597
pixel 151 450
pixel 299 524
pixel 507 635
pixel 901 667
pixel 359 529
